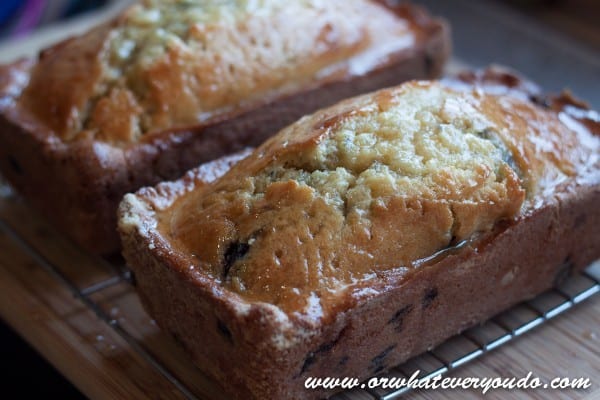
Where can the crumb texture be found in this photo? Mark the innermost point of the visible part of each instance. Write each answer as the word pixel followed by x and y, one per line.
pixel 175 63
pixel 369 187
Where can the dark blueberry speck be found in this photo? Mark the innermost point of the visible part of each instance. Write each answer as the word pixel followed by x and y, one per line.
pixel 398 318
pixel 312 356
pixel 235 251
pixel 429 297
pixel 542 101
pixel 15 165
pixel 429 64
pixel 224 330
pixel 377 363
pixel 343 361
pixel 308 362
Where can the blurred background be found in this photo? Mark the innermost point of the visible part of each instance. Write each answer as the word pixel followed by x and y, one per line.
pixel 554 42
pixel 577 18
pixel 21 17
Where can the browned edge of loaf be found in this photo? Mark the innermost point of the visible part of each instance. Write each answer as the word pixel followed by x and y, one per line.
pixel 77 186
pixel 435 302
pixel 410 315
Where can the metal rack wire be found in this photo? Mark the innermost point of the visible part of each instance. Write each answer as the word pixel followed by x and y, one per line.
pixel 503 329
pixel 482 339
pixel 84 295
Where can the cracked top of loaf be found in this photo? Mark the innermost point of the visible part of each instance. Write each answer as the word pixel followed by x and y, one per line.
pixel 168 64
pixel 373 186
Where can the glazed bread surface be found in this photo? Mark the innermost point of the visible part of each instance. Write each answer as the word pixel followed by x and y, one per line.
pixel 170 84
pixel 164 64
pixel 338 246
pixel 377 183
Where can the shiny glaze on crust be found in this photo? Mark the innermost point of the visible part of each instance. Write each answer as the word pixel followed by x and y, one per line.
pixel 78 92
pixel 545 154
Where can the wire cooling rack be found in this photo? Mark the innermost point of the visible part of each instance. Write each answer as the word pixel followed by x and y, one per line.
pixel 452 354
pixel 496 332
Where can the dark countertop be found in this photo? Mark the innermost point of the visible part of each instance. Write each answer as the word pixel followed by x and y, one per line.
pixel 20 363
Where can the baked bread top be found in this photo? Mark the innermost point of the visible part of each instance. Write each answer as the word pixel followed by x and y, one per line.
pixel 164 64
pixel 373 186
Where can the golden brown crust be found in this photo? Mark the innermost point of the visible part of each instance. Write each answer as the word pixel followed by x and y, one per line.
pixel 370 184
pixel 77 184
pixel 235 343
pixel 192 63
pixel 260 350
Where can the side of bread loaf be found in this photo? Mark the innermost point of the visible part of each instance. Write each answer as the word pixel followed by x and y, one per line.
pixel 253 275
pixel 103 114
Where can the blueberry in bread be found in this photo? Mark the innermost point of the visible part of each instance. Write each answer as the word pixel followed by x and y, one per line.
pixel 170 84
pixel 368 232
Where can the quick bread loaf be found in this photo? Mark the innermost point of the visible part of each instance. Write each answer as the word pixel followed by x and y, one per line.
pixel 368 232
pixel 168 84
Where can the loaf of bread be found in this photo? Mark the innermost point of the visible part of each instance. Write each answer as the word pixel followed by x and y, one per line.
pixel 368 232
pixel 170 84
